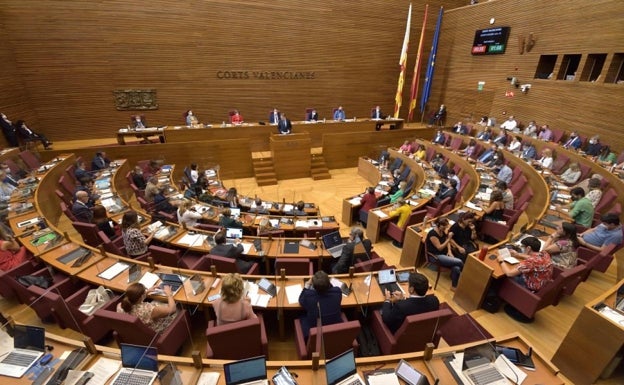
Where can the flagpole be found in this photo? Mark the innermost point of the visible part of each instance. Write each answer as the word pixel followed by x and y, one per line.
pixel 416 76
pixel 398 99
pixel 431 66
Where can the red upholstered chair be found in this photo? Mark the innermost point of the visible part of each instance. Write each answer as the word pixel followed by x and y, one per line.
pixel 527 302
pixel 13 166
pixel 416 331
pixel 605 201
pixel 208 227
pixel 171 257
pixel 431 258
pixel 373 264
pixel 228 265
pixel 22 293
pixel 462 329
pixel 557 135
pixel 596 260
pixel 115 246
pixel 130 329
pixel 456 143
pixel 574 277
pixel 294 266
pixel 63 197
pixel 30 160
pixel 88 232
pixel 585 171
pixel 434 209
pixel 46 301
pixel 499 231
pixel 517 184
pixel 560 163
pixel 68 185
pixel 68 213
pixel 525 197
pixel 137 192
pixel 9 277
pixel 398 233
pixel 145 205
pixel 429 153
pixel 237 340
pixel 336 337
pixel 168 217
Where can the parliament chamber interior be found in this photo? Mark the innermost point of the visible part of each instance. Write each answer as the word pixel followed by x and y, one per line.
pixel 222 192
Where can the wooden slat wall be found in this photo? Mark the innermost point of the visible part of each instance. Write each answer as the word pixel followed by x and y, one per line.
pixel 560 27
pixel 66 57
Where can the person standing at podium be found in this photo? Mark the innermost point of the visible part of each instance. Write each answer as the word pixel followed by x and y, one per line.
pixel 284 126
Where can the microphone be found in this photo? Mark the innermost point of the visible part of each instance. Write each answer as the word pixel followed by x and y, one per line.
pixel 320 342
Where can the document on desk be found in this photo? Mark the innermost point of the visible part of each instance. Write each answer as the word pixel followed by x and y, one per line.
pixel 355 201
pixel 301 224
pixel 293 292
pixel 192 239
pixel 103 369
pixel 504 252
pixel 472 206
pixel 380 214
pixel 509 369
pixel 382 379
pixel 149 279
pixel 255 297
pixel 208 378
pixel 246 247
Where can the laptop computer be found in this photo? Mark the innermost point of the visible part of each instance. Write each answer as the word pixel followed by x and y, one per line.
pixel 333 243
pixel 232 234
pixel 388 281
pixel 175 281
pixel 341 370
pixel 478 366
pixel 28 347
pixel 197 284
pixel 140 365
pixel 250 371
pixel 409 374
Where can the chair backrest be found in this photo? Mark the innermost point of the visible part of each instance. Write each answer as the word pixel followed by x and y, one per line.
pixel 396 163
pixel 409 185
pixel 221 340
pixel 606 200
pixel 165 256
pixel 524 198
pixel 559 163
pixel 67 185
pixel 441 208
pixel 337 338
pixel 294 266
pixel 456 143
pixel 63 197
pixel 15 169
pixel 109 245
pixel 405 172
pixel 375 264
pixel 419 329
pixel 223 264
pixel 68 213
pixel 557 134
pixel 88 232
pixel 30 160
pixel 518 184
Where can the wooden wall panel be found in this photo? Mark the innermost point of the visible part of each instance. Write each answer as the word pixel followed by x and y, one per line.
pixel 560 27
pixel 71 55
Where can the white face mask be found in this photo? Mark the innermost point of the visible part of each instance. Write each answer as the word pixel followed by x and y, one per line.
pixel 592 141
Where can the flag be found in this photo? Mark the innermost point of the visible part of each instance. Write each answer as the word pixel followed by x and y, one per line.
pixel 432 56
pixel 402 64
pixel 416 78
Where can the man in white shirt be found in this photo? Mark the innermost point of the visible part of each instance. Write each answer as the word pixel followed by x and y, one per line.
pixel 510 124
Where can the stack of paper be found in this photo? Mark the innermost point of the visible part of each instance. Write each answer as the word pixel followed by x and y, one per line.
pixel 256 299
pixel 472 206
pixel 355 201
pixel 293 292
pixel 149 279
pixel 380 214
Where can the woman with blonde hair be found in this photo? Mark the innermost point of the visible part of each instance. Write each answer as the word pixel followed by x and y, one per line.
pixel 188 215
pixel 571 175
pixel 157 317
pixel 232 307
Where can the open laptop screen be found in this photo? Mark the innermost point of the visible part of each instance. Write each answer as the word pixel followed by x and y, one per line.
pixel 139 357
pixel 29 337
pixel 250 369
pixel 332 239
pixel 233 233
pixel 340 367
pixel 387 276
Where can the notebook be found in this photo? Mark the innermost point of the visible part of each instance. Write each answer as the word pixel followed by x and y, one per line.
pixel 333 243
pixel 341 370
pixel 250 371
pixel 478 367
pixel 28 346
pixel 140 365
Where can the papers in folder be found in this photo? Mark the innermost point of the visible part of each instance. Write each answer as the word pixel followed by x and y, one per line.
pixel 256 298
pixel 114 270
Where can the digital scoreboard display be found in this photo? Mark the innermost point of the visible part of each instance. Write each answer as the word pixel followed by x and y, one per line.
pixel 490 41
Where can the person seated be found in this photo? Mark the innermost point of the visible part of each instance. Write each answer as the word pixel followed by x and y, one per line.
pixel 104 223
pixel 439 138
pixel 233 251
pixel 191 119
pixel 508 197
pixel 460 128
pixel 581 208
pixel 27 134
pixel 232 306
pixel 571 175
pixel 81 171
pixel 100 161
pixel 152 188
pixel 452 175
pixel 438 243
pixel 87 184
pixel 274 116
pixel 8 177
pixel 530 129
pixel 191 173
pixel 470 149
pixel 529 152
pixel 236 118
pixel 608 232
pixel 535 268
pixel 155 315
pixel 396 307
pixel 227 220
pixel 546 161
pixel 258 207
pixel 574 142
pixel 284 126
pixel 438 163
pixel 505 173
pixel 9 131
pixel 594 146
pixel 368 201
pixel 562 246
pixel 502 138
pixel 80 208
pixel 595 191
pixel 139 121
pixel 231 197
pixel 403 210
pixel 339 114
pixel 483 122
pixel 406 147
pixel 12 253
pixel 134 240
pixel 399 193
pixel 485 134
pixel 420 152
pixel 265 227
pixel 496 208
pixel 348 255
pixel 188 216
pixel 153 168
pixel 438 116
pixel 606 157
pixel 377 114
pixel 515 145
pixel 545 133
pixel 319 298
pixel 137 178
pixel 446 190
pixel 298 209
pixel 464 237
pixel 510 124
pixel 488 155
pixel 312 116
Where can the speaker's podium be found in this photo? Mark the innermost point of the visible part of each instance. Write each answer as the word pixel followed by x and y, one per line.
pixel 291 155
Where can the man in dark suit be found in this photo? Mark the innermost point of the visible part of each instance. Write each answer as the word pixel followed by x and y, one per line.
pixel 395 308
pixel 377 114
pixel 274 116
pixel 9 130
pixel 460 128
pixel 318 293
pixel 230 251
pixel 440 138
pixel 312 116
pixel 350 251
pixel 284 126
pixel 28 134
pixel 100 161
pixel 80 209
pixel 448 190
